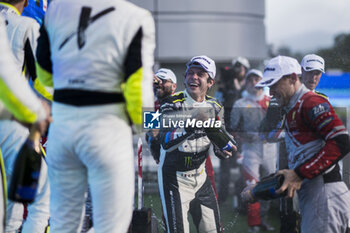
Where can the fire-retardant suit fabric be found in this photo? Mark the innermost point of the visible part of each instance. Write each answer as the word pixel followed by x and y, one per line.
pixel 316 140
pixel 183 181
pixel 22 33
pixel 98 55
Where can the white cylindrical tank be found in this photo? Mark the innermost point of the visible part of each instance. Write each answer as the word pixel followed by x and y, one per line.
pixel 221 29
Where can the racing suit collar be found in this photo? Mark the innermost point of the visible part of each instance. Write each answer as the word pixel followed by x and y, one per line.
pixel 191 100
pixel 298 94
pixel 9 8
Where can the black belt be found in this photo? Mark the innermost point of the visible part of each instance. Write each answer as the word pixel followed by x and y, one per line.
pixel 86 98
pixel 332 176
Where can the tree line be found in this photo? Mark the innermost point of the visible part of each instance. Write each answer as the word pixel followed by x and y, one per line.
pixel 337 56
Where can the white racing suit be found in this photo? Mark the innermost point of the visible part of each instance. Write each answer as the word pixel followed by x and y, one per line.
pixel 3 194
pixel 22 33
pixel 98 55
pixel 17 97
pixel 316 140
pixel 184 185
pixel 246 116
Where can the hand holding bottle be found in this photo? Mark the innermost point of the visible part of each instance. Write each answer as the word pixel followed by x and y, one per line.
pixel 266 189
pixel 222 139
pixel 26 172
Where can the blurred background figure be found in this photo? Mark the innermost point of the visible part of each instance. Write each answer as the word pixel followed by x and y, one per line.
pixel 312 70
pixel 259 157
pixel 232 81
pixel 164 85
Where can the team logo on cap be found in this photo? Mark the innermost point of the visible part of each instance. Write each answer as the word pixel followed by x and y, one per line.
pixel 199 64
pixel 269 69
pixel 316 60
pixel 203 58
pixel 267 82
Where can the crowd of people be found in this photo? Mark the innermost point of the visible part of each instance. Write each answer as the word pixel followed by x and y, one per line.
pixel 95 79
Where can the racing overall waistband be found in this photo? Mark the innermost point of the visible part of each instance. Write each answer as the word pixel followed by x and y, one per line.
pixel 191 174
pixel 332 176
pixel 86 98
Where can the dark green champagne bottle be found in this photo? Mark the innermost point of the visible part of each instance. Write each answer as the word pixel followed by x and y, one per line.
pixel 266 188
pixel 221 138
pixel 25 178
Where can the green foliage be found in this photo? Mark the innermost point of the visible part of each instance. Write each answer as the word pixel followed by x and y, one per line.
pixel 338 56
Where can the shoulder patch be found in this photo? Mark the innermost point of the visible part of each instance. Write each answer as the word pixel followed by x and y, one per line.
pixel 318 110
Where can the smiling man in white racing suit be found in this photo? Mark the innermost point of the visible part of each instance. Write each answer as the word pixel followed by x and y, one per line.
pixel 183 181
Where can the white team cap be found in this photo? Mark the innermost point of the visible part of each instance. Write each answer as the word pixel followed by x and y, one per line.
pixel 313 62
pixel 204 62
pixel 242 60
pixel 166 74
pixel 255 72
pixel 278 67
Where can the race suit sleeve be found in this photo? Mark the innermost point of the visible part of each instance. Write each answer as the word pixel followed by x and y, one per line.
pixel 137 86
pixel 219 111
pixel 43 58
pixel 15 92
pixel 154 144
pixel 31 36
pixel 320 116
pixel 171 136
pixel 220 116
pixel 271 126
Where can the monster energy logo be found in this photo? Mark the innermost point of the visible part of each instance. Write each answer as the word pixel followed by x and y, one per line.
pixel 188 161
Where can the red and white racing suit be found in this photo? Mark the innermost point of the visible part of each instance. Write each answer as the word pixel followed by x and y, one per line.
pixel 316 140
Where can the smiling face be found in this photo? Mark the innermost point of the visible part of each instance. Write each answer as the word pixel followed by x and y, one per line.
pixel 165 88
pixel 197 83
pixel 311 78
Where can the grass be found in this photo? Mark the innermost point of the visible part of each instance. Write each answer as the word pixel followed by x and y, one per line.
pixel 232 221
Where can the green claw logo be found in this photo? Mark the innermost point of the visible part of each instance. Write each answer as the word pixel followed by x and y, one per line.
pixel 188 161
